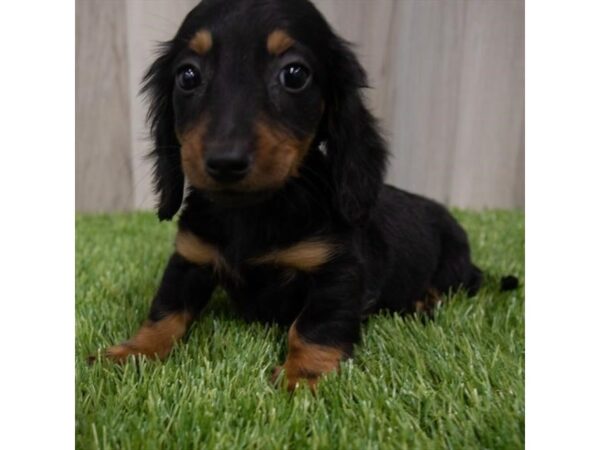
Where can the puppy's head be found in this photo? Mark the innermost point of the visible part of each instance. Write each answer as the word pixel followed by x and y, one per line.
pixel 241 95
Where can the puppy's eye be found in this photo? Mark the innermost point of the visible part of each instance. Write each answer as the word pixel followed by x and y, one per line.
pixel 294 77
pixel 188 78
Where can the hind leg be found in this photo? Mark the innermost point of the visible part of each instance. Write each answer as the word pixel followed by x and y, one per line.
pixel 455 269
pixel 428 302
pixel 449 278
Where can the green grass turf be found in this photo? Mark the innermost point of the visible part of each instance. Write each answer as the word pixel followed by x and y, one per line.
pixel 455 382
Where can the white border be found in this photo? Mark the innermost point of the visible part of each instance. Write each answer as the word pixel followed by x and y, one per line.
pixel 563 226
pixel 37 238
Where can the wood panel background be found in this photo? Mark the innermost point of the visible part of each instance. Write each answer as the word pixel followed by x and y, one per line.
pixel 447 82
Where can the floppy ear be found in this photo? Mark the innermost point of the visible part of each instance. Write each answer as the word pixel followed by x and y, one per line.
pixel 356 148
pixel 168 175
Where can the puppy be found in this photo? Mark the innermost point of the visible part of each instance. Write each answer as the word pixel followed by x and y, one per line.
pixel 257 104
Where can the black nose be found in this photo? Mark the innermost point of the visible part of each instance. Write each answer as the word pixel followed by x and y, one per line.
pixel 227 167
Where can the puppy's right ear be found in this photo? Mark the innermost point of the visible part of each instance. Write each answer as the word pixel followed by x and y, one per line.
pixel 168 175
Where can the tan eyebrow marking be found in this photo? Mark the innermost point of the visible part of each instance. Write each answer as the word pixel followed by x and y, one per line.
pixel 305 256
pixel 202 42
pixel 278 42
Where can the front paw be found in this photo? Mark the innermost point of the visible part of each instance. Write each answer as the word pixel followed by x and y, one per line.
pixel 153 339
pixel 306 361
pixel 291 378
pixel 117 353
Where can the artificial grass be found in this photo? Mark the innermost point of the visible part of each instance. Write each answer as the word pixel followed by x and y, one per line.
pixel 455 382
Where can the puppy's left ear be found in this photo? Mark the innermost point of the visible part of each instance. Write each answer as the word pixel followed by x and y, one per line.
pixel 168 175
pixel 356 148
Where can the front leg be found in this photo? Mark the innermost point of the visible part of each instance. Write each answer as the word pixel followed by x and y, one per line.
pixel 328 327
pixel 184 290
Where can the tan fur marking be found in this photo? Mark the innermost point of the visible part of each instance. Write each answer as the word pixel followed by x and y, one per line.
pixel 305 256
pixel 278 155
pixel 307 361
pixel 429 303
pixel 154 339
pixel 195 250
pixel 420 306
pixel 202 42
pixel 192 150
pixel 278 42
pixel 192 248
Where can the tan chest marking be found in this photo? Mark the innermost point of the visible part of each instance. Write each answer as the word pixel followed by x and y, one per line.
pixel 195 250
pixel 305 256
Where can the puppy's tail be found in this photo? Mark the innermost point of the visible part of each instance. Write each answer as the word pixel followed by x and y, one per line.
pixel 509 283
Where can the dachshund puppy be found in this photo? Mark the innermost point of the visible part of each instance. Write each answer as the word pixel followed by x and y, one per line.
pixel 257 104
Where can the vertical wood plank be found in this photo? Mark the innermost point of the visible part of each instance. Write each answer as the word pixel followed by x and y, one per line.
pixel 488 167
pixel 422 90
pixel 102 101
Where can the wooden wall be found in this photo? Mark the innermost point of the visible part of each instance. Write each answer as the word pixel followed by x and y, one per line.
pixel 447 77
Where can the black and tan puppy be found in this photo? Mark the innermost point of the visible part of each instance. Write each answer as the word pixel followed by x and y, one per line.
pixel 257 104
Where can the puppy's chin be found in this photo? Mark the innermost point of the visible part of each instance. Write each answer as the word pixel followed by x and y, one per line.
pixel 229 198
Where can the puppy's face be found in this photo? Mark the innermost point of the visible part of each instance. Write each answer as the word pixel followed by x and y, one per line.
pixel 247 101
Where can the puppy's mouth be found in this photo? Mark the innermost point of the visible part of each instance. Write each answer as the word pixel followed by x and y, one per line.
pixel 233 198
